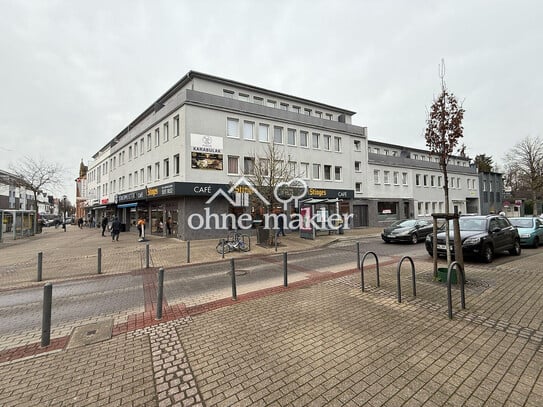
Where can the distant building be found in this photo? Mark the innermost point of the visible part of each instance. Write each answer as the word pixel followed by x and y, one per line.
pixel 491 193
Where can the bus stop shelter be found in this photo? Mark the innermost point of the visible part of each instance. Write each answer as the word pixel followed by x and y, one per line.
pixel 16 224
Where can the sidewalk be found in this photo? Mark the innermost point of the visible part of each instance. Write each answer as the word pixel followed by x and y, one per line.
pixel 74 253
pixel 321 343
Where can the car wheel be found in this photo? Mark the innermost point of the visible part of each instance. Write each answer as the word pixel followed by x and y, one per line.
pixel 414 238
pixel 536 242
pixel 487 253
pixel 515 251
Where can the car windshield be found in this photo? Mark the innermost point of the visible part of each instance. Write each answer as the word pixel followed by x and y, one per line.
pixel 409 223
pixel 522 223
pixel 470 224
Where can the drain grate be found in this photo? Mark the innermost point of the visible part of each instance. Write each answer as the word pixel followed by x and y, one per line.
pixel 91 333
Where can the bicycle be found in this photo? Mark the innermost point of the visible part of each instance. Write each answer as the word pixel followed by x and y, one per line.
pixel 234 241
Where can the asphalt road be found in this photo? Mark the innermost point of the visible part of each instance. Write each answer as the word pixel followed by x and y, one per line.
pixel 21 310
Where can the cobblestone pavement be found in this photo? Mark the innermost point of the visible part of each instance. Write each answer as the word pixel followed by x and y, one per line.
pixel 321 341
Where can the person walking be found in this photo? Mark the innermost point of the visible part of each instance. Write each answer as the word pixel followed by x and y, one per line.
pixel 141 226
pixel 115 229
pixel 104 225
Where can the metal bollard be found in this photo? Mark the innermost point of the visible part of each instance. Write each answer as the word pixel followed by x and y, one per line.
pixel 358 255
pixel 146 255
pixel 160 293
pixel 99 260
pixel 285 271
pixel 46 315
pixel 188 251
pixel 40 263
pixel 233 272
pixel 223 248
pixel 275 242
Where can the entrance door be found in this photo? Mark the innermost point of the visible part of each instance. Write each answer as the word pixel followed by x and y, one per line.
pixel 360 215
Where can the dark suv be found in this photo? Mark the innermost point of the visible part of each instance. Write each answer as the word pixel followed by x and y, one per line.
pixel 482 236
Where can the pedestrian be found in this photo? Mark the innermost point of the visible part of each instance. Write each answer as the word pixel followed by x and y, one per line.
pixel 141 226
pixel 169 225
pixel 281 224
pixel 80 223
pixel 104 225
pixel 115 229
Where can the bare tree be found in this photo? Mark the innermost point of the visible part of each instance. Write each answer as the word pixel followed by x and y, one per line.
pixel 443 132
pixel 270 169
pixel 36 176
pixel 524 166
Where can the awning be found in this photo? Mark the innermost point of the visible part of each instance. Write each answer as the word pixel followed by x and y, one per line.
pixel 99 207
pixel 128 205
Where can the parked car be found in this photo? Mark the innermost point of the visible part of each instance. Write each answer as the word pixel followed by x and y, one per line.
pixel 481 236
pixel 407 230
pixel 530 230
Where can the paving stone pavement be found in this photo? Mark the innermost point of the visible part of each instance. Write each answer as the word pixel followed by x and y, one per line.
pixel 320 342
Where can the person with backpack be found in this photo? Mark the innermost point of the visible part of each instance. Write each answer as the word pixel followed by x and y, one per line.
pixel 115 229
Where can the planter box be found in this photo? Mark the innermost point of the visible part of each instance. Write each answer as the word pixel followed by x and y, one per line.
pixel 442 275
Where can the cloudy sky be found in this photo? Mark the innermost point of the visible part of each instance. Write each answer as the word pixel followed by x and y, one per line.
pixel 75 73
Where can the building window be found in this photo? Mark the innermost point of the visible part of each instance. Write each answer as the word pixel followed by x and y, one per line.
pixel 157 171
pixel 166 130
pixel 307 112
pixel 176 164
pixel 248 130
pixel 318 114
pixel 264 166
pixel 327 141
pixel 141 146
pixel 176 126
pixel 136 149
pixel 243 96
pixel 296 109
pixel 278 135
pixel 316 140
pixel 284 106
pixel 425 180
pixel 357 145
pixel 271 103
pixel 233 164
pixel 166 168
pixel 432 180
pixel 263 132
pixel 291 137
pixel 417 180
pixel 337 143
pixel 129 155
pixel 386 177
pixel 149 174
pixel 357 166
pixel 396 178
pixel 404 178
pixel 232 128
pixel 248 165
pixel 358 187
pixel 316 171
pixel 303 139
pixel 292 169
pixel 337 173
pixel 304 170
pixel 376 177
pixel 327 172
pixel 258 100
pixel 228 93
pixel 157 137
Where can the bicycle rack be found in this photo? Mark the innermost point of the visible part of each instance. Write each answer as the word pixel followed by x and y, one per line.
pixel 362 268
pixel 412 274
pixel 462 282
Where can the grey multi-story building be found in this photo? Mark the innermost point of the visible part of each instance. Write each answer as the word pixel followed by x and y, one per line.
pixel 205 133
pixel 492 193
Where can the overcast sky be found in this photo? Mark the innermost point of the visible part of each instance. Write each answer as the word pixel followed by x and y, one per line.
pixel 75 73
